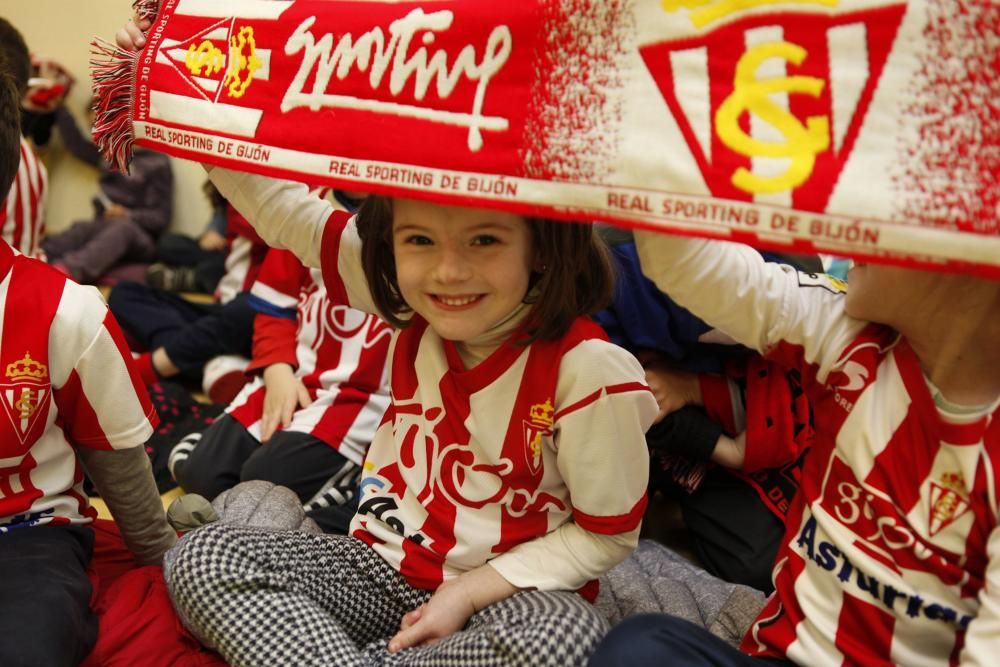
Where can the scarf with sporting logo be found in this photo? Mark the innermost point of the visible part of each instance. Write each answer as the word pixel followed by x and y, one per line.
pixel 865 128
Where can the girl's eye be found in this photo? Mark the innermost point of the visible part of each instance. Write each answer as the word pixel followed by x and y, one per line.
pixel 418 239
pixel 485 239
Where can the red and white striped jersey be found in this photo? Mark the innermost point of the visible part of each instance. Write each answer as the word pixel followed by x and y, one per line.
pixel 534 460
pixel 64 383
pixel 338 352
pixel 22 213
pixel 892 551
pixel 245 254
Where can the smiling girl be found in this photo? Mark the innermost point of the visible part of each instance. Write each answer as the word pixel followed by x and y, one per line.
pixel 509 471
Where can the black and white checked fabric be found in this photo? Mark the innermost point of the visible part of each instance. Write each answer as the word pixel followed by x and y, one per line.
pixel 276 598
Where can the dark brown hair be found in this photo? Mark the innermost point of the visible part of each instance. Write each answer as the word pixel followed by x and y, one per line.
pixel 576 277
pixel 16 59
pixel 10 132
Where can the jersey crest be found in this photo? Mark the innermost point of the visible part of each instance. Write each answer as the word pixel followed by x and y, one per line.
pixel 948 501
pixel 24 393
pixel 537 426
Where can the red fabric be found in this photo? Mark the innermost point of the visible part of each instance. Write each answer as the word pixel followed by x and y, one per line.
pixel 273 342
pixel 138 625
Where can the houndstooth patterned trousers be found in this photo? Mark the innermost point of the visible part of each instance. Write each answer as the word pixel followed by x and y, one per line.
pixel 291 599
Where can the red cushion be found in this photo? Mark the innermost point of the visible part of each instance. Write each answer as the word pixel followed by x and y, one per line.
pixel 138 625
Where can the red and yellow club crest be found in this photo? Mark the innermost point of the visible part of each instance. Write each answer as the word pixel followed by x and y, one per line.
pixel 537 426
pixel 221 58
pixel 770 103
pixel 949 501
pixel 23 394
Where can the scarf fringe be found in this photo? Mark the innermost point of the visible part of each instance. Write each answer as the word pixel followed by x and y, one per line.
pixel 113 70
pixel 687 473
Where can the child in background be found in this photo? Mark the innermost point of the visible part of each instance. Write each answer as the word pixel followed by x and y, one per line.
pixel 891 549
pixel 720 403
pixel 185 264
pixel 69 391
pixel 130 211
pixel 207 344
pixel 22 211
pixel 306 422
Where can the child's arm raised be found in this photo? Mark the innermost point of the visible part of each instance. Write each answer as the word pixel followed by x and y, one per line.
pixel 286 215
pixel 757 303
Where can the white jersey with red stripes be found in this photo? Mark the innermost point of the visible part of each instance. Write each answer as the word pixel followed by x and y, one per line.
pixel 533 461
pixel 892 551
pixel 340 357
pixel 22 213
pixel 64 383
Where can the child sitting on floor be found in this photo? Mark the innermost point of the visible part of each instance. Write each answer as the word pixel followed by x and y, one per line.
pixel 69 394
pixel 891 548
pixel 130 211
pixel 509 471
pixel 306 422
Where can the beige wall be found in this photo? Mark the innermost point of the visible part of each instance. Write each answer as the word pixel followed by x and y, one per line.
pixel 62 30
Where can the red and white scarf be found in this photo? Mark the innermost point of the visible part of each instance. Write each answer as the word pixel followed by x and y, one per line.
pixel 865 128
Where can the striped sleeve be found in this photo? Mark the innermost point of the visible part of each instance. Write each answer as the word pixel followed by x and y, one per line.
pixel 603 410
pixel 286 215
pixel 759 304
pixel 102 402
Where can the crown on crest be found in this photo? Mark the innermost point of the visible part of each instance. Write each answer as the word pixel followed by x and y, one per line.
pixel 541 413
pixel 954 481
pixel 27 369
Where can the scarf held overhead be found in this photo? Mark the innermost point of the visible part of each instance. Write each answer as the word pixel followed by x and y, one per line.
pixel 864 128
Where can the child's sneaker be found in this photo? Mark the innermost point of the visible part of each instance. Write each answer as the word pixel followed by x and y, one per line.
pixel 181 452
pixel 172 278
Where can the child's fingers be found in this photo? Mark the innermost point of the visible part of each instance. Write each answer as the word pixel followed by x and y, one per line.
pixel 411 636
pixel 267 426
pixel 410 618
pixel 305 400
pixel 131 35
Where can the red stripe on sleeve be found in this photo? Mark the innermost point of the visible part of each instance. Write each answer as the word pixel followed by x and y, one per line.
pixel 138 386
pixel 80 421
pixel 330 256
pixel 613 525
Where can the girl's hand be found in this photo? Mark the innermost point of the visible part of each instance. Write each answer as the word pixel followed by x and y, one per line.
pixel 283 395
pixel 131 36
pixel 451 607
pixel 673 389
pixel 448 610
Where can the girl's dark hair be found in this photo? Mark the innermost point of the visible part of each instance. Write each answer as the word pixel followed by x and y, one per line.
pixel 576 279
pixel 10 131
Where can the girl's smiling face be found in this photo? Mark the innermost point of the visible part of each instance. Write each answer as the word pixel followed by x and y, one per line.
pixel 461 269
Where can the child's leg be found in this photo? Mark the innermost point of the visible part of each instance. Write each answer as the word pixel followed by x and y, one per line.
pixel 557 629
pixel 115 240
pixel 153 316
pixel 57 245
pixel 45 616
pixel 311 468
pixel 211 464
pixel 658 639
pixel 286 598
pixel 227 330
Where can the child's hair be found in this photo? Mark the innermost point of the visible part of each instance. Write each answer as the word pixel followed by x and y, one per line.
pixel 10 131
pixel 14 55
pixel 577 276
